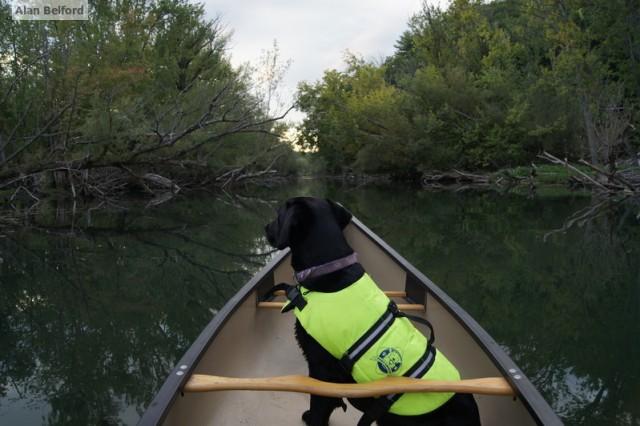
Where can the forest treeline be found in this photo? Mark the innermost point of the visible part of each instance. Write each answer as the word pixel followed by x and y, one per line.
pixel 142 95
pixel 483 86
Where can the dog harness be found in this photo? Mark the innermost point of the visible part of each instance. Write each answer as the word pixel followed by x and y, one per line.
pixel 363 328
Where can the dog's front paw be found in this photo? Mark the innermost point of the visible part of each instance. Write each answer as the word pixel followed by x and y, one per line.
pixel 310 420
pixel 307 418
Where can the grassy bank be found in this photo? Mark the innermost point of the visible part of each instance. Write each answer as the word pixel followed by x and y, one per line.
pixel 545 174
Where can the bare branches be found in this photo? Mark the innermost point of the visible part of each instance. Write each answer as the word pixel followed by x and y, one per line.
pixel 612 176
pixel 112 122
pixel 606 122
pixel 35 137
pixel 248 127
pixel 609 182
pixel 555 160
pixel 586 215
pixel 455 177
pixel 169 139
pixel 22 188
pixel 18 76
pixel 237 175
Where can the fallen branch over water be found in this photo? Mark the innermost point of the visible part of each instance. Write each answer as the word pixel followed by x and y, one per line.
pixel 108 181
pixel 603 181
pixel 454 177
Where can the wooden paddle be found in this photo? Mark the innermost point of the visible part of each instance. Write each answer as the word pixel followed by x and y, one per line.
pixel 386 386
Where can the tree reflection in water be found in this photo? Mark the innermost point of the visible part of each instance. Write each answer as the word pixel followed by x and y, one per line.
pixel 566 307
pixel 95 315
pixel 96 307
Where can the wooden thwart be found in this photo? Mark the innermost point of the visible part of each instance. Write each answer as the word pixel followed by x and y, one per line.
pixel 386 386
pixel 401 306
pixel 390 293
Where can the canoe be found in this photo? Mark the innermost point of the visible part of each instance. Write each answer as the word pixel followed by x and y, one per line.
pixel 247 338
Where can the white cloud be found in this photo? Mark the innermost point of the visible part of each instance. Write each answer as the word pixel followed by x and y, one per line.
pixel 314 34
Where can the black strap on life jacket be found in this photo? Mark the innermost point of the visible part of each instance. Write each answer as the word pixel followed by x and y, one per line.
pixel 414 318
pixel 383 404
pixel 371 336
pixel 293 294
pixel 368 339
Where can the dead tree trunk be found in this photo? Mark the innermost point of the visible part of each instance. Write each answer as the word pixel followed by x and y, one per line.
pixel 587 117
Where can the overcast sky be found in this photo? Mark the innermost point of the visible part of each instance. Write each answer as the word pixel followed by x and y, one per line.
pixel 313 34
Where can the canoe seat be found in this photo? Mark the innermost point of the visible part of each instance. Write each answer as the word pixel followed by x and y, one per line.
pixel 398 294
pixel 388 293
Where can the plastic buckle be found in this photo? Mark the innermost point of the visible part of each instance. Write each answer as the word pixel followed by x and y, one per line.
pixel 294 295
pixel 292 292
pixel 393 308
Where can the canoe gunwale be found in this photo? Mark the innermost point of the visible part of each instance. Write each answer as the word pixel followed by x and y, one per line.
pixel 416 281
pixel 171 388
pixel 534 402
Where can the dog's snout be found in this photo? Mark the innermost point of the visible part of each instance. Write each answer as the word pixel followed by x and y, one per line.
pixel 268 231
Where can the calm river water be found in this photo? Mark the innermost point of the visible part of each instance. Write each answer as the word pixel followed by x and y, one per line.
pixel 97 306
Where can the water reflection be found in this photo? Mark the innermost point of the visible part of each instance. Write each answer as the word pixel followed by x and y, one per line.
pixel 96 307
pixel 94 316
pixel 567 310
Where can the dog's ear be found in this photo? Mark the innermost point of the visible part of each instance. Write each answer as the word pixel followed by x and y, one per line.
pixel 288 221
pixel 342 215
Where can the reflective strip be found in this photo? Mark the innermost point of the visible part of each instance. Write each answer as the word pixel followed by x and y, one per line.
pixel 422 369
pixel 372 336
pixel 417 373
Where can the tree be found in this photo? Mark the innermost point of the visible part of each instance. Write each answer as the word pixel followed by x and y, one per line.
pixel 484 86
pixel 140 87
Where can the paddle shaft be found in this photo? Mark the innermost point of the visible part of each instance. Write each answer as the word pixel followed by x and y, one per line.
pixel 386 386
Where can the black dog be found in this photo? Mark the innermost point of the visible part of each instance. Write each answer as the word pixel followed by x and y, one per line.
pixel 312 228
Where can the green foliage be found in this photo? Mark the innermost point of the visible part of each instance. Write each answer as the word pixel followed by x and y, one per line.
pixel 139 83
pixel 309 164
pixel 483 86
pixel 545 174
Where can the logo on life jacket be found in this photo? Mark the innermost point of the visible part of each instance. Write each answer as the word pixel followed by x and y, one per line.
pixel 389 361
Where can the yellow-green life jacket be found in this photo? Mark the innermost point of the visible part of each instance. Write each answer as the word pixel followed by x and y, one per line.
pixel 339 320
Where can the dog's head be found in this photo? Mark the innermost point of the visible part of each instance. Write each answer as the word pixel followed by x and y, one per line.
pixel 298 217
pixel 312 228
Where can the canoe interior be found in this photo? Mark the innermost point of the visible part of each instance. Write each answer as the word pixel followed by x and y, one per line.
pixel 260 342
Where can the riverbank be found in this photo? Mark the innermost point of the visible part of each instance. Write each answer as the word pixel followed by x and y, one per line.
pixel 154 189
pixel 581 176
pixel 110 184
